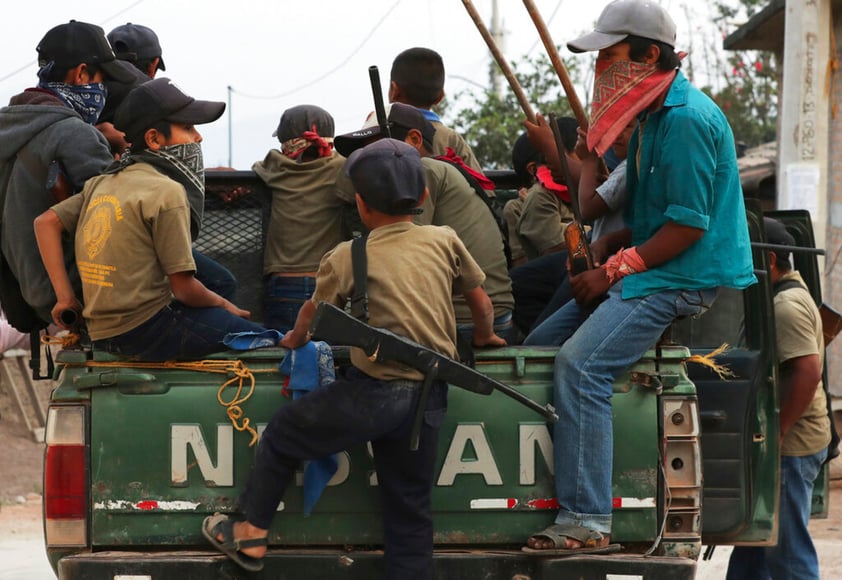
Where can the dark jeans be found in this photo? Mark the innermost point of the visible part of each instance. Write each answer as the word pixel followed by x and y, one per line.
pixel 178 332
pixel 216 277
pixel 283 298
pixel 350 412
pixel 534 285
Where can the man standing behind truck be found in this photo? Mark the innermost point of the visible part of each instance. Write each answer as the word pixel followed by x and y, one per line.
pixel 805 426
pixel 686 236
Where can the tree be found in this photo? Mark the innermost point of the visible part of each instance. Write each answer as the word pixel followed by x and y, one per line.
pixel 749 95
pixel 491 123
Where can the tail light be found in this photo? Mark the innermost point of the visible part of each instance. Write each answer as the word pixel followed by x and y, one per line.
pixel 65 477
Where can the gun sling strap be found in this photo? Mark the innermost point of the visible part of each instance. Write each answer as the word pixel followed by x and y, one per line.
pixel 359 310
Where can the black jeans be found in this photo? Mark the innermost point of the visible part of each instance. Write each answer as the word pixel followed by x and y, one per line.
pixel 348 412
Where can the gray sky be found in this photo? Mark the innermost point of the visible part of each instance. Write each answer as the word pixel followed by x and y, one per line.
pixel 279 53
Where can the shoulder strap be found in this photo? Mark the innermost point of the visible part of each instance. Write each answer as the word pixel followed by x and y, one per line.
pixel 359 300
pixel 786 285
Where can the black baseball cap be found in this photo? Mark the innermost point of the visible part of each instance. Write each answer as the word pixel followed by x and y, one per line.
pixel 135 42
pixel 77 42
pixel 388 175
pixel 301 118
pixel 397 115
pixel 161 100
pixel 776 233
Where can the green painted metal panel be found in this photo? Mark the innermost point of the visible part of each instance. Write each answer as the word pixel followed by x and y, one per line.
pixel 163 455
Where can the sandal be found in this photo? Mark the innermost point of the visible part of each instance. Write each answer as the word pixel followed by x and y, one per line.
pixel 218 524
pixel 558 534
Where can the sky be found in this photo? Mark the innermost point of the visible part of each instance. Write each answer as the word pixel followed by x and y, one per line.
pixel 263 56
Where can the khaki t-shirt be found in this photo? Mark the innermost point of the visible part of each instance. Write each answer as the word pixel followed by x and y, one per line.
pixel 511 213
pixel 412 273
pixel 453 202
pixel 799 333
pixel 306 219
pixel 446 137
pixel 132 229
pixel 542 221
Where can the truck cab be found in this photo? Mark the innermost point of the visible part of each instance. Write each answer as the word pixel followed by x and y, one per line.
pixel 138 454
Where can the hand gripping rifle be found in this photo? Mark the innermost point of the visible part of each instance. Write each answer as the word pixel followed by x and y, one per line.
pixel 335 326
pixel 575 238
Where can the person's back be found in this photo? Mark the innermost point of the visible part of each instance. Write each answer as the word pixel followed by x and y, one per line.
pixel 306 217
pixel 417 79
pixel 453 202
pixel 49 147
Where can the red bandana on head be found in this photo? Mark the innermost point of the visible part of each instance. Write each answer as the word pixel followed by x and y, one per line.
pixel 296 146
pixel 622 89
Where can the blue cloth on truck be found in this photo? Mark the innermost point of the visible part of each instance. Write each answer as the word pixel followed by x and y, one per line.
pixel 250 340
pixel 309 367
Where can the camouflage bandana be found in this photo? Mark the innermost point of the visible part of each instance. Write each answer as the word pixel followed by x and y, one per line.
pixel 182 163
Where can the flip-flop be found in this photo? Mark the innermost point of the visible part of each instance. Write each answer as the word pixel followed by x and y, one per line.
pixel 218 524
pixel 558 534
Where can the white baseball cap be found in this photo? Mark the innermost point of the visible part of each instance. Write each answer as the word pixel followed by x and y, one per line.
pixel 621 18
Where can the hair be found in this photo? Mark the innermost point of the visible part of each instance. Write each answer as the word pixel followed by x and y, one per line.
pixel 782 262
pixel 138 142
pixel 419 72
pixel 143 65
pixel 523 153
pixel 638 45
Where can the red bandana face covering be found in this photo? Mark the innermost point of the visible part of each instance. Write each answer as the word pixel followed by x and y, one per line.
pixel 622 89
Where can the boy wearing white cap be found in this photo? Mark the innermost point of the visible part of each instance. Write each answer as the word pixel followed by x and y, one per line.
pixel 686 236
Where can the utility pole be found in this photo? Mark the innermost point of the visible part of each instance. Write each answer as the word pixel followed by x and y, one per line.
pixel 230 162
pixel 495 79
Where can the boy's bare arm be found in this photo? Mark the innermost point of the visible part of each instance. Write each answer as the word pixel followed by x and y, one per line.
pixel 48 231
pixel 300 333
pixel 482 312
pixel 191 292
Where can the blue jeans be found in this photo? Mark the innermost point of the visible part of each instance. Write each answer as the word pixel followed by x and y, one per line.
pixel 216 277
pixel 178 332
pixel 503 327
pixel 534 285
pixel 794 557
pixel 282 299
pixel 612 338
pixel 343 414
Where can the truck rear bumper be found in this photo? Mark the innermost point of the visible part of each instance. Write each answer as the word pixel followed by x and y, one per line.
pixel 323 564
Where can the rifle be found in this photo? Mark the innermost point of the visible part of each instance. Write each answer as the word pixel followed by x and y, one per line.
pixel 575 238
pixel 335 326
pixel 379 107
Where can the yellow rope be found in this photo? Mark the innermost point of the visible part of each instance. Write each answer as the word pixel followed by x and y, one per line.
pixel 241 373
pixel 708 360
pixel 64 341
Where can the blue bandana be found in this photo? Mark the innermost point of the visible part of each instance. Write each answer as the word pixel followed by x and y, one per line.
pixel 87 100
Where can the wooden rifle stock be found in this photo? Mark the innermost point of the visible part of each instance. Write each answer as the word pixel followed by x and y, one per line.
pixel 575 237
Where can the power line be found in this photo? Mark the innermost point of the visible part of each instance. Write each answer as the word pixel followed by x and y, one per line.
pixel 328 73
pixel 549 21
pixel 32 62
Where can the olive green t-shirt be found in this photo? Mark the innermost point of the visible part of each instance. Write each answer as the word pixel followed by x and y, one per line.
pixel 131 230
pixel 511 213
pixel 798 326
pixel 446 137
pixel 453 202
pixel 306 218
pixel 542 221
pixel 412 273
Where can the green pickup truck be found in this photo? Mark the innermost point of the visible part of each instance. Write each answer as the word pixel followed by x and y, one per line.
pixel 137 454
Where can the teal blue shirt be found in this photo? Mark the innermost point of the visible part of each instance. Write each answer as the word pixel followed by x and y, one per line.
pixel 688 174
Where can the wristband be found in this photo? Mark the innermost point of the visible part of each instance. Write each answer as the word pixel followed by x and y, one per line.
pixel 623 263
